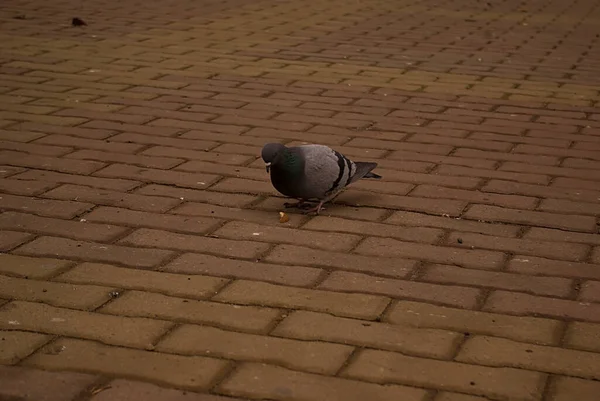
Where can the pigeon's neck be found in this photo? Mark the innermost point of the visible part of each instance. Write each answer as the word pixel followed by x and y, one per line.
pixel 291 163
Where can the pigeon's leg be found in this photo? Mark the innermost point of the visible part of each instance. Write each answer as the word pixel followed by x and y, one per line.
pixel 316 209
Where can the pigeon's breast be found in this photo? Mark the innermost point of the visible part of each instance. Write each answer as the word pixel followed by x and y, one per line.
pixel 291 185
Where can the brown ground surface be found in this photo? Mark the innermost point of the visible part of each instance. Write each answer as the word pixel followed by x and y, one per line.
pixel 143 254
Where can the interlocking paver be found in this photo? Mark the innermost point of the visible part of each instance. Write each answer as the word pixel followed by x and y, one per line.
pixel 136 210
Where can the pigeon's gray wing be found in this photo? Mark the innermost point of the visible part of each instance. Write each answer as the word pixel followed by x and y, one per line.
pixel 326 171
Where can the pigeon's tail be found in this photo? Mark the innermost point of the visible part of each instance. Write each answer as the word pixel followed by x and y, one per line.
pixel 363 170
pixel 372 175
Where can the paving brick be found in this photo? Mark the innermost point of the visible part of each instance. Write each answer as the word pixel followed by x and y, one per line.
pixel 115 330
pixel 136 219
pixel 310 356
pixel 540 266
pixel 478 259
pixel 164 141
pixel 146 304
pixel 353 197
pixel 265 134
pixel 169 177
pixel 216 198
pixel 545 150
pixel 541 219
pixel 583 336
pixel 26 267
pixel 151 238
pixel 58 294
pixel 433 149
pixel 255 232
pixel 92 251
pixel 571 388
pixel 66 228
pixel 191 286
pixel 233 139
pixel 492 351
pixel 350 305
pixel 266 381
pixel 19 136
pixel 305 325
pixel 417 234
pixel 102 125
pixel 33 384
pixel 112 198
pixel 388 367
pixel 411 154
pixel 102 145
pixel 43 207
pixel 223 158
pixel 79 131
pixel 566 206
pixel 547 234
pixel 49 163
pixel 74 114
pixel 194 263
pixel 190 372
pixel 7 171
pixel 526 329
pixel 12 239
pixel 444 396
pixel 564 182
pixel 561 251
pixel 444 294
pixel 54 178
pixel 35 149
pixel 511 201
pixel 481 154
pixel 136 160
pixel 551 286
pixel 43 119
pixel 241 185
pixel 524 304
pixel 124 390
pixel 236 213
pixel 291 254
pixel 590 291
pixel 420 220
pixel 449 170
pixel 16 345
pixel 596 255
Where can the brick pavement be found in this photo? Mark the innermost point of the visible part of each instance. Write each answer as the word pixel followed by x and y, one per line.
pixel 143 253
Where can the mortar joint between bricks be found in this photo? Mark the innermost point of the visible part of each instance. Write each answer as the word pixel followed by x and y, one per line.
pixel 275 323
pixel 576 288
pixel 482 298
pixel 174 326
pixel 221 289
pixel 59 272
pixel 418 271
pixel 52 340
pixel 321 278
pixel 225 373
pixel 119 291
pixel 351 358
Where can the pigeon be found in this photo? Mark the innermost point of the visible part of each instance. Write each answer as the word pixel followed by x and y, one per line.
pixel 312 172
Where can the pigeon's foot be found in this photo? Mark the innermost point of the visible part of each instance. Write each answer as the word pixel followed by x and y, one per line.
pixel 300 204
pixel 315 209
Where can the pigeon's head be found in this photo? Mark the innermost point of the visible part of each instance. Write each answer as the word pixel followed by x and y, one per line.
pixel 270 152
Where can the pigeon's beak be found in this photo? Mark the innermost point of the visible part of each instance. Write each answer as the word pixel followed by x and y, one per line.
pixel 268 166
